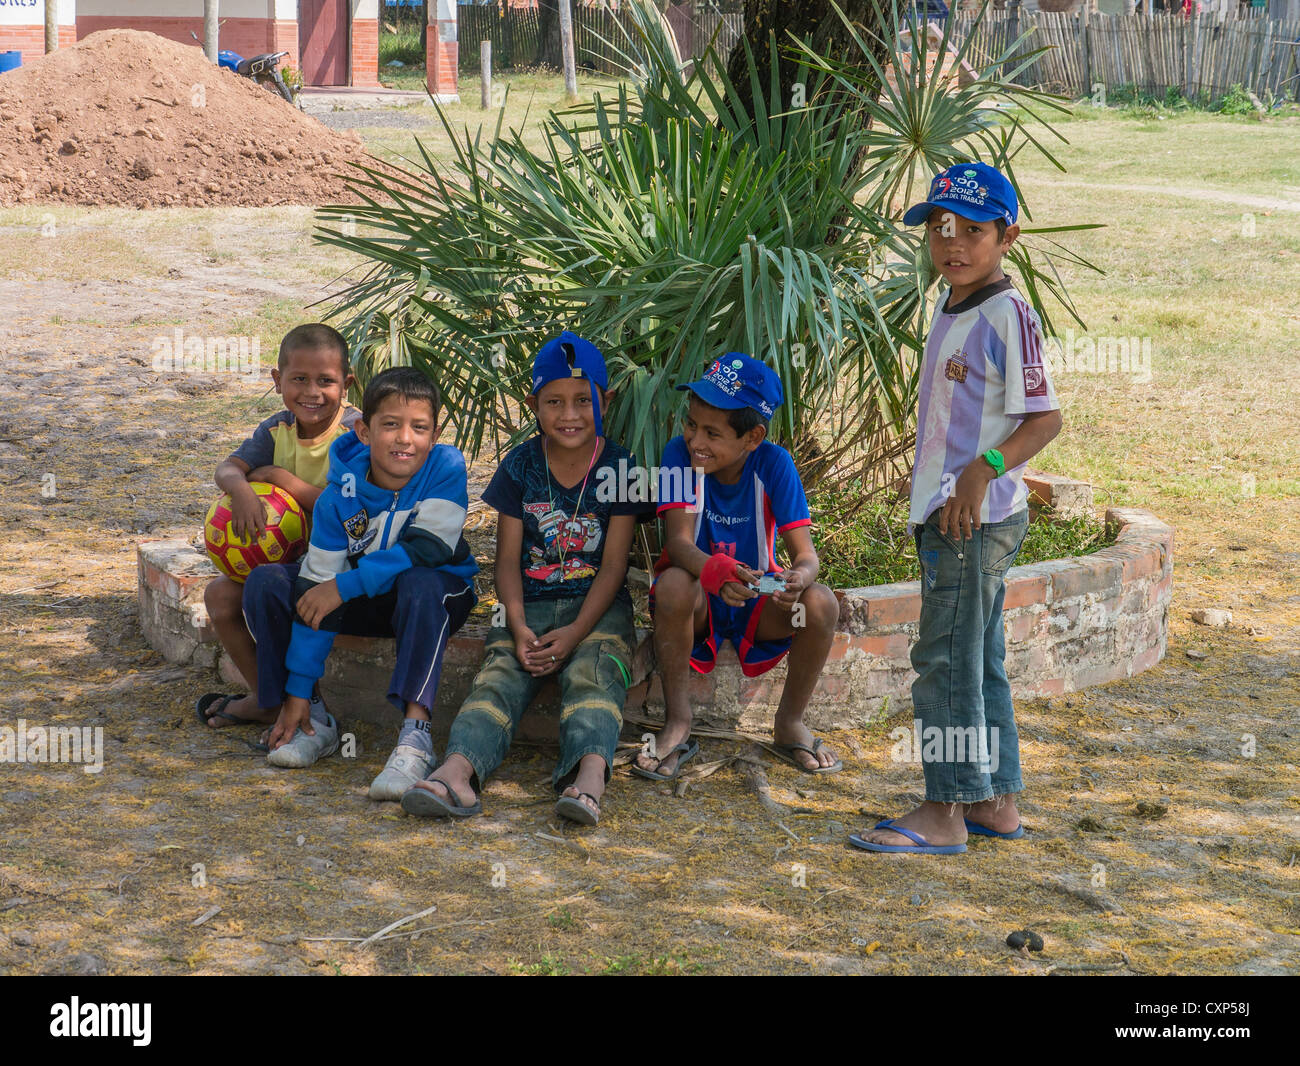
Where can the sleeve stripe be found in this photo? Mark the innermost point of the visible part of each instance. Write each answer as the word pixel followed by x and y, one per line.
pixel 670 506
pixel 795 524
pixel 1031 353
pixel 444 519
pixel 320 565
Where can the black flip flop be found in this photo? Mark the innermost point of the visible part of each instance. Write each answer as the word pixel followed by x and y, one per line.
pixel 785 752
pixel 425 804
pixel 208 699
pixel 690 751
pixel 572 808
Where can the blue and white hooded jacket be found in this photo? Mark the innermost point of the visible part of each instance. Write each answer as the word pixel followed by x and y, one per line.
pixel 363 537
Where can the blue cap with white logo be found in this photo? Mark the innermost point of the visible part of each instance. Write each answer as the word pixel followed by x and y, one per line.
pixel 737 380
pixel 973 190
pixel 569 356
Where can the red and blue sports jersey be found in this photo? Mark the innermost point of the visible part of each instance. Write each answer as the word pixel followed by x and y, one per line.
pixel 744 519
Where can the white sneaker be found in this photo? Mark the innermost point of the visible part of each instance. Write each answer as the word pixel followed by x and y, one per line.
pixel 304 749
pixel 407 765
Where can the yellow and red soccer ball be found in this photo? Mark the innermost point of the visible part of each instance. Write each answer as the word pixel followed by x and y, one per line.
pixel 283 540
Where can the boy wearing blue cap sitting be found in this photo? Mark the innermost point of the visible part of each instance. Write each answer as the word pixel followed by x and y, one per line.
pixel 718 578
pixel 562 556
pixel 986 408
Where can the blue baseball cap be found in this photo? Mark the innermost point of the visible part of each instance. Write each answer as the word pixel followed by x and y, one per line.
pixel 569 356
pixel 737 381
pixel 972 190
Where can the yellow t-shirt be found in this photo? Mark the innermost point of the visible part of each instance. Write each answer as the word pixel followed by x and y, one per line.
pixel 276 443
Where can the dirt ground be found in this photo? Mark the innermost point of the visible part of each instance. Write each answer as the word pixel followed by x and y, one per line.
pixel 1156 845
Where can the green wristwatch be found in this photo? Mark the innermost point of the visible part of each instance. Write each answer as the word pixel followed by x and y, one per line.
pixel 994 458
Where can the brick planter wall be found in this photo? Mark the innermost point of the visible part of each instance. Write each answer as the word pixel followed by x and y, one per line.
pixel 1070 623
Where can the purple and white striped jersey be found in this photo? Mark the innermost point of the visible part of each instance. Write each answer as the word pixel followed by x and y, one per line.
pixel 982 372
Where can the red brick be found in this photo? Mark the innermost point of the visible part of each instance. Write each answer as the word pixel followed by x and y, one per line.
pixel 895 608
pixel 887 646
pixel 1100 674
pixel 764 690
pixel 465 648
pixel 187 583
pixel 1089 574
pixel 1144 564
pixel 1158 590
pixel 1024 591
pixel 1146 660
pixel 154 578
pixel 840 644
pixel 1025 625
pixel 1050 686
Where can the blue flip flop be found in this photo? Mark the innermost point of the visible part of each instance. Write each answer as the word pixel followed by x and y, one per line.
pixel 921 847
pixel 985 831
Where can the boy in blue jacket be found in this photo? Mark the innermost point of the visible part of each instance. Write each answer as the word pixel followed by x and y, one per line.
pixel 387 558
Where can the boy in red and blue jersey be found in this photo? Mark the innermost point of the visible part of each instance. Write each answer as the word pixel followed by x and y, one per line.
pixel 730 494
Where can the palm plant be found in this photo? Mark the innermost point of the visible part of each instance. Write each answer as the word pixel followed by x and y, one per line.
pixel 670 223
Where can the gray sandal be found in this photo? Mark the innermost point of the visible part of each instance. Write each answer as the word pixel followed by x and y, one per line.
pixel 785 752
pixel 689 752
pixel 425 804
pixel 572 808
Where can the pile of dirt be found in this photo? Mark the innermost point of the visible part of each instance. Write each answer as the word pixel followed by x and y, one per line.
pixel 126 117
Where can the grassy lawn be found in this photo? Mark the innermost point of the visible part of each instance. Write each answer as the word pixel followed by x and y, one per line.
pixel 1200 263
pixel 523 98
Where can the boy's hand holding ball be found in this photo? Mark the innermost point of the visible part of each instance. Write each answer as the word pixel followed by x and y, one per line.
pixel 248 514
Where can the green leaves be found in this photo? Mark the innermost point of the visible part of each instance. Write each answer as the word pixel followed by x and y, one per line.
pixel 669 225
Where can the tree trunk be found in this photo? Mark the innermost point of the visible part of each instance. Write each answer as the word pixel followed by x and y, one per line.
pixel 549 53
pixel 815 21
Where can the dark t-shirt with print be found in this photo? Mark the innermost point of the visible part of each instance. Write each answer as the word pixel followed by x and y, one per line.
pixel 563 538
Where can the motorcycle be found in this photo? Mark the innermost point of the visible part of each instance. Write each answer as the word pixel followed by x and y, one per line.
pixel 263 69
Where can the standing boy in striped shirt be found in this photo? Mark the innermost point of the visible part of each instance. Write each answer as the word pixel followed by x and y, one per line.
pixel 986 408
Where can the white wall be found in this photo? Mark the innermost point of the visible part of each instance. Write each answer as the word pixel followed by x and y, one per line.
pixel 32 12
pixel 227 9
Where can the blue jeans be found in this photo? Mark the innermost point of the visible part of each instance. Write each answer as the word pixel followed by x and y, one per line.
pixel 593 688
pixel 970 750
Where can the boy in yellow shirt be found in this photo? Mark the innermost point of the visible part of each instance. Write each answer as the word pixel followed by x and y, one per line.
pixel 290 450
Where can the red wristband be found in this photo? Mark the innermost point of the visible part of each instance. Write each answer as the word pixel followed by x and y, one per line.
pixel 717 572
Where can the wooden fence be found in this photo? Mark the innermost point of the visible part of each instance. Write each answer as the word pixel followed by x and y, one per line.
pixel 1205 54
pixel 600 35
pixel 1151 54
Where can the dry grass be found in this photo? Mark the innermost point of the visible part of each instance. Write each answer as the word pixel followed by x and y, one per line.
pixel 106 864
